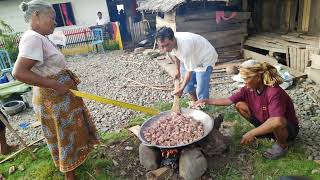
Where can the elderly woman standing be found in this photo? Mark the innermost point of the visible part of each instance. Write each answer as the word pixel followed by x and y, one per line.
pixel 265 105
pixel 66 122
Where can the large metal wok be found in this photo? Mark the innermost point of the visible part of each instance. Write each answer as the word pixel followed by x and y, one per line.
pixel 197 115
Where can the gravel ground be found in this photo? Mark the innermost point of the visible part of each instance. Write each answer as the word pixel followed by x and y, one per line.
pixel 109 75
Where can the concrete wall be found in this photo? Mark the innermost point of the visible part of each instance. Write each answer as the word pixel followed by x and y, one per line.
pixel 85 12
pixel 12 15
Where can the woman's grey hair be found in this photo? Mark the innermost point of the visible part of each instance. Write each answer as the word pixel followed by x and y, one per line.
pixel 29 8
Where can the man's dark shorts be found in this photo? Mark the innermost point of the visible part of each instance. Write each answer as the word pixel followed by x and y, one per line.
pixel 293 130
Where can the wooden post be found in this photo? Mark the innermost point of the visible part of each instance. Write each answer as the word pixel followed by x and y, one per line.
pixel 306 15
pixel 176 99
pixel 245 5
pixel 298 59
pixel 288 56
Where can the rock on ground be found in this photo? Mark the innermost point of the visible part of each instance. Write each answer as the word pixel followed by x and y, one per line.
pixel 192 164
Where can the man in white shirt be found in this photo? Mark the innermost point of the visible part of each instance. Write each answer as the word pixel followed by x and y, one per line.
pixel 197 55
pixel 101 21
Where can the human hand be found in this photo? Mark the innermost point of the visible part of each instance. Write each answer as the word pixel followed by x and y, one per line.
pixel 200 103
pixel 177 75
pixel 61 89
pixel 178 93
pixel 247 138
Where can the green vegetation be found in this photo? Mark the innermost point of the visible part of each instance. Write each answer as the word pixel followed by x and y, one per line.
pixel 100 165
pixel 8 37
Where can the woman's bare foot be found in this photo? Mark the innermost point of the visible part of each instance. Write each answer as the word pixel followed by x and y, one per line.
pixel 6 149
pixel 70 175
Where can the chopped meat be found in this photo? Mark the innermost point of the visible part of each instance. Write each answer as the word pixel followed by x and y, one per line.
pixel 174 129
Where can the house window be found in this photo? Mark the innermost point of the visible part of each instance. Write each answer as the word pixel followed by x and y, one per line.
pixel 64 14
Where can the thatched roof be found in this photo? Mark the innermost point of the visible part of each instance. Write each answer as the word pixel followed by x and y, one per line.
pixel 162 5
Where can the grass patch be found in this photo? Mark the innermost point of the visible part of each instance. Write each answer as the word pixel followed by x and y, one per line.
pixel 228 173
pixel 100 165
pixel 163 106
pixel 97 164
pixel 112 137
pixel 138 120
pixel 295 163
pixel 41 168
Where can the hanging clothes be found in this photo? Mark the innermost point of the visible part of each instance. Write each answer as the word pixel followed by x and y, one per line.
pixel 221 15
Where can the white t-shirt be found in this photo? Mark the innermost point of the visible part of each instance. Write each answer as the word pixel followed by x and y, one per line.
pixel 101 21
pixel 194 51
pixel 39 48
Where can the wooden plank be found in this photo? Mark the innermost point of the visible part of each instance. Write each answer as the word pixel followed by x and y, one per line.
pixel 251 54
pixel 306 15
pixel 221 34
pixel 314 38
pixel 158 174
pixel 135 130
pixel 298 59
pixel 314 26
pixel 196 16
pixel 304 10
pixel 315 61
pixel 287 57
pixel 302 55
pixel 294 55
pixel 244 5
pixel 36 124
pixel 209 26
pixel 306 60
pixel 293 12
pixel 291 56
pixel 221 42
pixel 286 15
pixel 265 45
pixel 300 40
pixel 300 14
pixel 272 61
pixel 274 38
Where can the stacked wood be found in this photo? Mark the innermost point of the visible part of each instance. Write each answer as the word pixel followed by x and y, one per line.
pixel 229 53
pixel 296 47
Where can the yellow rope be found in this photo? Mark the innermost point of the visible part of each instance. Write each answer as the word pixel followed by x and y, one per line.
pixel 103 100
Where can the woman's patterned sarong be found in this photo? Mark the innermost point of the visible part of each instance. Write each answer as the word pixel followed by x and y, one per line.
pixel 66 123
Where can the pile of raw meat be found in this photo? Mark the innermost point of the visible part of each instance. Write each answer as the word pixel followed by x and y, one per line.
pixel 174 129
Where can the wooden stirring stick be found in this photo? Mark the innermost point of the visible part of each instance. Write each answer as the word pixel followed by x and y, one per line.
pixel 176 99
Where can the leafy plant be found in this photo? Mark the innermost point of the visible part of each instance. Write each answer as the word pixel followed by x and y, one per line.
pixel 8 40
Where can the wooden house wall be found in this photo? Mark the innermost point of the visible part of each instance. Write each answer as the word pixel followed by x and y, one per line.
pixel 226 33
pixel 287 16
pixel 314 24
